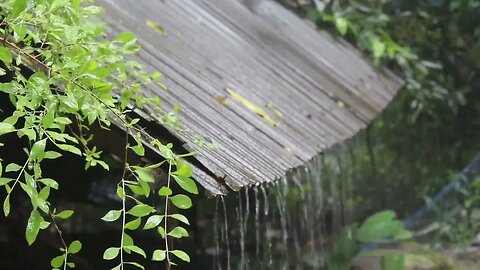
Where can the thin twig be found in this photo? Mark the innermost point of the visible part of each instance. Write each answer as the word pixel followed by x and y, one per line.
pixel 63 241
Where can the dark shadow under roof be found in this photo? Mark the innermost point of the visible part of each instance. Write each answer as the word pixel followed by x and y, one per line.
pixel 227 65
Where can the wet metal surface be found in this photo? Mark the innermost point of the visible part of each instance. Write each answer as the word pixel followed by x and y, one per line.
pixel 318 90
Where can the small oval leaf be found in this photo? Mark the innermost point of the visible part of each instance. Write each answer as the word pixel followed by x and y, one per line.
pixel 181 201
pixel 112 215
pixel 111 253
pixel 159 255
pixel 74 247
pixel 153 222
pixel 181 255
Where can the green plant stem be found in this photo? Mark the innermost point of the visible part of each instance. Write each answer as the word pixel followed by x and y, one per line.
pixel 63 241
pixel 166 215
pixel 19 175
pixel 124 208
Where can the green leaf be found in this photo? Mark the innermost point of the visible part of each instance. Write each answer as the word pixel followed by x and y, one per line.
pixel 393 262
pixel 134 224
pixel 378 227
pixel 52 155
pixel 120 192
pixel 4 181
pixel 58 261
pixel 144 175
pixel 135 249
pixel 33 226
pixel 12 167
pixel 186 183
pixel 74 247
pixel 159 255
pixel 30 133
pixel 18 7
pixel 112 215
pixel 49 182
pixel 6 206
pixel 38 150
pixel 345 249
pixel 181 255
pixel 111 253
pixel 126 37
pixel 378 48
pixel 5 55
pixel 70 148
pixel 127 240
pixel 93 10
pixel 342 25
pixel 180 217
pixel 138 149
pixel 181 201
pixel 63 120
pixel 6 128
pixel 178 232
pixel 161 231
pixel 141 210
pixel 64 214
pixel 47 120
pixel 164 191
pixel 135 264
pixel 183 169
pixel 44 193
pixel 138 190
pixel 153 221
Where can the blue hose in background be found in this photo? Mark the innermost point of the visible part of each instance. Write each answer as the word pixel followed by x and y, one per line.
pixel 466 176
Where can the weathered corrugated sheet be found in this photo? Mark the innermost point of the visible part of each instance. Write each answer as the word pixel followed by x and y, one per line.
pixel 325 90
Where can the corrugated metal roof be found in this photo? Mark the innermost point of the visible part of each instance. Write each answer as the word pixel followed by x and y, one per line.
pixel 324 89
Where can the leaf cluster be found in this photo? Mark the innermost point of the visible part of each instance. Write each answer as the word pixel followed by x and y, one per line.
pixel 80 79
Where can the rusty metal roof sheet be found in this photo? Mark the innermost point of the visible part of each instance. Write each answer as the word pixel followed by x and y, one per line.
pixel 227 65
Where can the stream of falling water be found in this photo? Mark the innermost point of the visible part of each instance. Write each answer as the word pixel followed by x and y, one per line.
pixel 227 232
pixel 278 225
pixel 216 258
pixel 257 222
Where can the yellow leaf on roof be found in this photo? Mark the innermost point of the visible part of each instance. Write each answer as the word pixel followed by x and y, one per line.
pixel 251 106
pixel 275 111
pixel 156 26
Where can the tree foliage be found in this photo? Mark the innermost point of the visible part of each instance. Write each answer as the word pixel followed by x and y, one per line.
pixel 430 130
pixel 79 78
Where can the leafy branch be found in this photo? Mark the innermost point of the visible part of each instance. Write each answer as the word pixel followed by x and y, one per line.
pixel 81 76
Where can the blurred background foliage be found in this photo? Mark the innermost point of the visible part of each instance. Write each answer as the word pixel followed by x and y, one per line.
pixel 432 128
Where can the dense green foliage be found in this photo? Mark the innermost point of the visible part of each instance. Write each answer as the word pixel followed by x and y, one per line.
pixel 428 133
pixel 431 130
pixel 81 79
